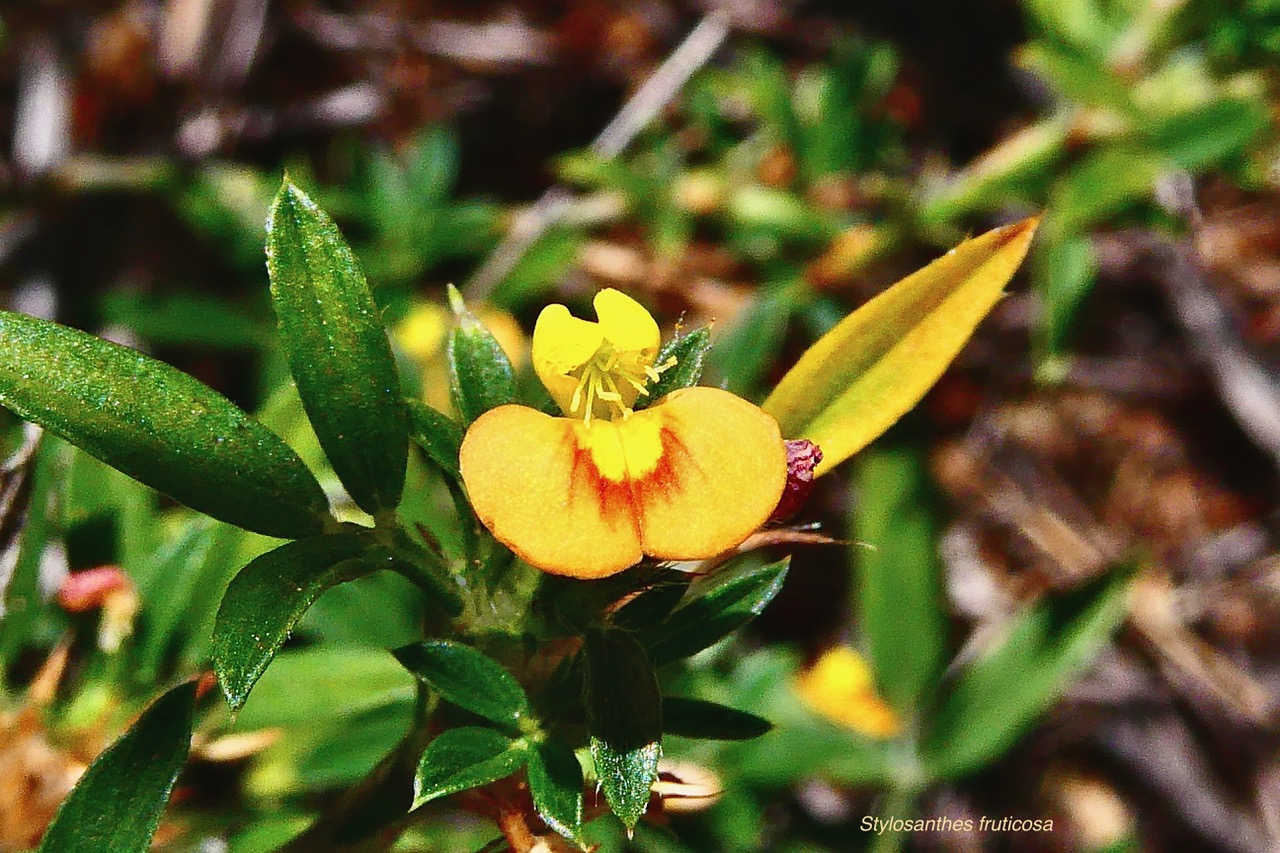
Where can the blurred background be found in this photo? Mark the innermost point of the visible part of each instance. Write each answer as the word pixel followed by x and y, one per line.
pixel 1120 408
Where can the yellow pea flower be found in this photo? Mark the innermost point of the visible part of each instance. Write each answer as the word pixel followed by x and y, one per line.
pixel 839 686
pixel 589 494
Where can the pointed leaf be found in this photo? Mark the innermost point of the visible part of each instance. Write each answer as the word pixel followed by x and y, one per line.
pixel 899 578
pixel 480 374
pixel 703 720
pixel 268 597
pixel 877 363
pixel 625 719
pixel 460 759
pixel 338 350
pixel 689 352
pixel 469 679
pixel 555 780
pixel 117 804
pixel 732 600
pixel 157 425
pixel 439 435
pixel 1002 693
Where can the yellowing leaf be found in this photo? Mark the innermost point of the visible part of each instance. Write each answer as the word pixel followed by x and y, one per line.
pixel 877 363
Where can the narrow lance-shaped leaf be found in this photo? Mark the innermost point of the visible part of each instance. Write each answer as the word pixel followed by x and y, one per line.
pixel 731 602
pixel 703 720
pixel 625 720
pixel 439 435
pixel 267 598
pixel 899 578
pixel 117 804
pixel 877 363
pixel 338 350
pixel 157 425
pixel 480 374
pixel 999 695
pixel 460 759
pixel 469 679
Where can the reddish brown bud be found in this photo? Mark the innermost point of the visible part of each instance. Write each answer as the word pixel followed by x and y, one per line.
pixel 802 457
pixel 92 588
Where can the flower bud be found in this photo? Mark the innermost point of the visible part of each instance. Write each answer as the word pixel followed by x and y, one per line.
pixel 802 457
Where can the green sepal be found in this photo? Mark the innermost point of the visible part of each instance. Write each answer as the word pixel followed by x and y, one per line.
pixel 480 374
pixel 338 350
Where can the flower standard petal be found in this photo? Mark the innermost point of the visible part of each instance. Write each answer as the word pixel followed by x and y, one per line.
pixel 717 478
pixel 562 343
pixel 543 493
pixel 627 326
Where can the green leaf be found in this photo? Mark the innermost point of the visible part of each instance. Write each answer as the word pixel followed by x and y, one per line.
pixel 1064 269
pixel 654 604
pixel 748 347
pixel 703 720
pixel 689 351
pixel 732 600
pixel 1101 185
pixel 899 580
pixel 469 679
pixel 157 425
pixel 625 719
pixel 555 780
pixel 480 374
pixel 1206 134
pixel 439 435
pixel 338 350
pixel 877 363
pixel 1002 693
pixel 268 597
pixel 117 804
pixel 465 758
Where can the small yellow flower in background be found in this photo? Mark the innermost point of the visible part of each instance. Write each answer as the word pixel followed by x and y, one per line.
pixel 589 494
pixel 840 687
pixel 422 334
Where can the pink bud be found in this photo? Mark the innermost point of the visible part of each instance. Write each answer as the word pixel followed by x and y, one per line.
pixel 92 588
pixel 802 457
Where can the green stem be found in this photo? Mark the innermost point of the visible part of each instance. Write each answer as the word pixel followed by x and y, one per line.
pixel 899 804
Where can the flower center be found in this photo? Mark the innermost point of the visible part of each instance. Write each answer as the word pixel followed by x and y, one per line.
pixel 610 382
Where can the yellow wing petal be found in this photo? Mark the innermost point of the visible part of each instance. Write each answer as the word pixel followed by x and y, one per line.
pixel 719 477
pixel 540 492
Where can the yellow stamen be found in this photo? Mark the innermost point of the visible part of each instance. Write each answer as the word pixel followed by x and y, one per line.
pixel 600 376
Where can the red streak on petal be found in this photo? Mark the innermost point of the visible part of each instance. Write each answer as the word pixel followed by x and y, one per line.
pixel 622 502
